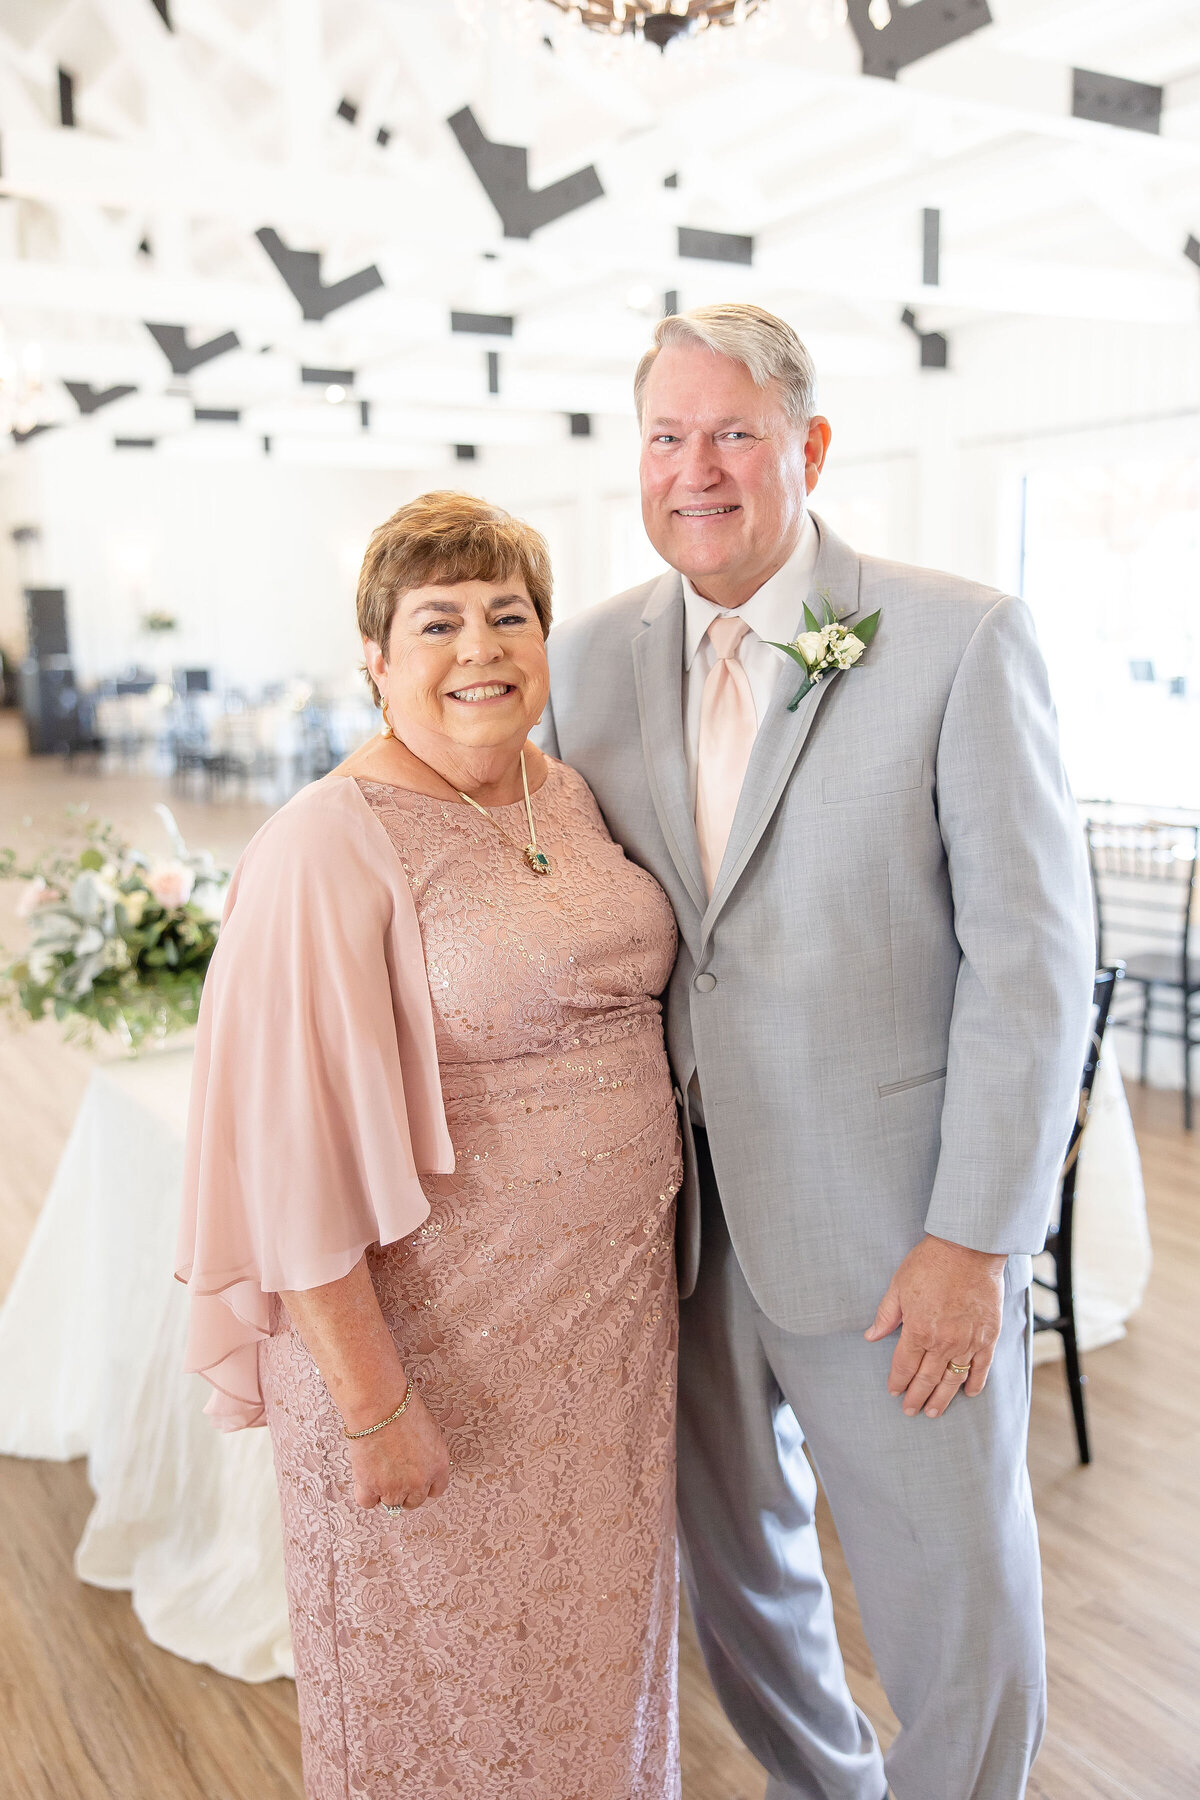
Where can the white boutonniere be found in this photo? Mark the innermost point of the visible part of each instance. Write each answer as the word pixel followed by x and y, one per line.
pixel 826 646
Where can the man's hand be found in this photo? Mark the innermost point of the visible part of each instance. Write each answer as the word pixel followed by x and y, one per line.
pixel 949 1304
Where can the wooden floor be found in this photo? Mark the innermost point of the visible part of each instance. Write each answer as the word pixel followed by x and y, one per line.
pixel 92 1711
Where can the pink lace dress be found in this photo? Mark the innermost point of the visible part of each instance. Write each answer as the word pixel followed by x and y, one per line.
pixel 515 1640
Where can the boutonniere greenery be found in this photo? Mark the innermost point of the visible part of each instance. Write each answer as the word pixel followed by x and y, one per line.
pixel 825 646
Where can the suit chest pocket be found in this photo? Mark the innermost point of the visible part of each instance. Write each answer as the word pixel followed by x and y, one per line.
pixel 875 780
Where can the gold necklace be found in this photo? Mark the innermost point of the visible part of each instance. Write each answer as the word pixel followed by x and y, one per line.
pixel 537 859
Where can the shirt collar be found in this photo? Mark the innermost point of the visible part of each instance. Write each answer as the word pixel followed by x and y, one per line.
pixel 773 613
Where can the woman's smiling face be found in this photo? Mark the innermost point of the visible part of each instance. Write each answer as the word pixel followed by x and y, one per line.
pixel 464 663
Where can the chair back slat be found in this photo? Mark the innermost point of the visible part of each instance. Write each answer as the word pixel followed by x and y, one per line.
pixel 1143 886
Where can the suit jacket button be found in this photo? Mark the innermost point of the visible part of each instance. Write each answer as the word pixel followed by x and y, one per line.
pixel 706 983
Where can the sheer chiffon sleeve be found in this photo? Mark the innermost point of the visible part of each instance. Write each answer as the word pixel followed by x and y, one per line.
pixel 316 1102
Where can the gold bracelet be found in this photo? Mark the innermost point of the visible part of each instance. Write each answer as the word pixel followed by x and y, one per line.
pixel 388 1421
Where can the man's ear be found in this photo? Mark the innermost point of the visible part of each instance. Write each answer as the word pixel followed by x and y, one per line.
pixel 816 446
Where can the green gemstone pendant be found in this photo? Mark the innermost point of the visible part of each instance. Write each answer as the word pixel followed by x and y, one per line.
pixel 537 859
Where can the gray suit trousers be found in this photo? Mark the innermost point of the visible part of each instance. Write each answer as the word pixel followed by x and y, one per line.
pixel 936 1520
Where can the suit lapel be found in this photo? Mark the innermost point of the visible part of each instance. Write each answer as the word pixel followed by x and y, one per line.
pixel 782 734
pixel 658 678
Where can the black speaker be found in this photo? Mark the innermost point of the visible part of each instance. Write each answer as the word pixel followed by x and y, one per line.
pixel 46 611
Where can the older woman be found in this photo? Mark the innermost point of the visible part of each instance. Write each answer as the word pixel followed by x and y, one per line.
pixel 430 1184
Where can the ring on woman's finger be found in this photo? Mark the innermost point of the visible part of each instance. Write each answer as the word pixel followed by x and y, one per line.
pixel 962 1370
pixel 394 1510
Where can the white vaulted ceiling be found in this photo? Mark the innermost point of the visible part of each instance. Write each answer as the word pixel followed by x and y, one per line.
pixel 206 152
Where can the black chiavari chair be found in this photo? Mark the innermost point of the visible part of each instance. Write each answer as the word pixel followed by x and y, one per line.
pixel 1144 883
pixel 1059 1240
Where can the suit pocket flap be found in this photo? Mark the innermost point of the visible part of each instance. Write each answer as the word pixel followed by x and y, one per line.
pixel 900 1087
pixel 877 778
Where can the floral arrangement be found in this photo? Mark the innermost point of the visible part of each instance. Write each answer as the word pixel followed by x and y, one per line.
pixel 827 646
pixel 159 621
pixel 118 942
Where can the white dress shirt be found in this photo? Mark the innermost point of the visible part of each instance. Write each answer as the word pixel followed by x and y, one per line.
pixel 774 615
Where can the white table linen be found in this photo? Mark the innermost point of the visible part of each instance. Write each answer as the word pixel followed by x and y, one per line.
pixel 187 1518
pixel 91 1355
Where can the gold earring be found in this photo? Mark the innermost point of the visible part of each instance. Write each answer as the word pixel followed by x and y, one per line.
pixel 386 730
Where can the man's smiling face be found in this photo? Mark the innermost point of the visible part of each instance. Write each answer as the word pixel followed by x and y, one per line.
pixel 724 471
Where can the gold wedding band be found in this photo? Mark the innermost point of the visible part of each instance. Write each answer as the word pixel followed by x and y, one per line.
pixel 960 1368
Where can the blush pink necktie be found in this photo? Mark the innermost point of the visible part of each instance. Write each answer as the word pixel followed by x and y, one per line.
pixel 728 726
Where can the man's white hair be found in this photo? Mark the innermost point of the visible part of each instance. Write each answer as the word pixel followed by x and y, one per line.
pixel 765 345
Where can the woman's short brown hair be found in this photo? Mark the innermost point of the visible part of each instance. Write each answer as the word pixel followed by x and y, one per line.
pixel 444 538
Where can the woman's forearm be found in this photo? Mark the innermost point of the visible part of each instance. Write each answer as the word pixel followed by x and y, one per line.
pixel 345 1334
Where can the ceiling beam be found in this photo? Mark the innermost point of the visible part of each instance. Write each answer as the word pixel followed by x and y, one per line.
pixel 67 167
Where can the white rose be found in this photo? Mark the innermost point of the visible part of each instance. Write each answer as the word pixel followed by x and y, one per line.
pixel 134 905
pixel 171 884
pixel 41 965
pixel 208 898
pixel 811 645
pixel 847 652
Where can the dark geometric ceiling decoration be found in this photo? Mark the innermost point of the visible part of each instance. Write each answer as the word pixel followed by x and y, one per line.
pixel 328 377
pixel 935 349
pixel 89 399
pixel 914 32
pixel 482 324
pixel 715 246
pixel 1111 100
pixel 931 247
pixel 184 357
pixel 503 171
pixel 301 269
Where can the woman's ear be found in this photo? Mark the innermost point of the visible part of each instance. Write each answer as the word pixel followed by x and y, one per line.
pixel 375 660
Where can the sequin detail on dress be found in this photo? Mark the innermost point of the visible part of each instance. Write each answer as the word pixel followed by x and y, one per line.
pixel 514 1640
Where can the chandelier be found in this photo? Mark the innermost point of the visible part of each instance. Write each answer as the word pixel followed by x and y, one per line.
pixel 658 21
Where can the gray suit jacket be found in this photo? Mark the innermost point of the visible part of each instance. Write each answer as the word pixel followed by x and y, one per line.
pixel 887 997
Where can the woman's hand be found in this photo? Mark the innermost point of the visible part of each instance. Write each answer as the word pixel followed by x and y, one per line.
pixel 347 1337
pixel 405 1464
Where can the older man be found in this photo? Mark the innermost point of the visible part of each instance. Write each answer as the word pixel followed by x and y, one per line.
pixel 877 1018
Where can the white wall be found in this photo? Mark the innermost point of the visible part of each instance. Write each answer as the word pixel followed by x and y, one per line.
pixel 257 557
